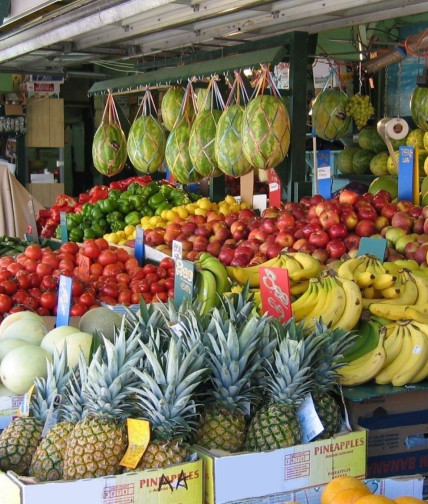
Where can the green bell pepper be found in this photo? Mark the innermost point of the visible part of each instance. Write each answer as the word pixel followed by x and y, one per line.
pixel 155 200
pixel 138 201
pixel 147 211
pixel 117 225
pixel 97 213
pixel 98 229
pixel 150 189
pixel 73 220
pixel 114 193
pixel 87 208
pixel 108 205
pixel 75 234
pixel 114 216
pixel 133 218
pixel 89 233
pixel 125 206
pixel 163 206
pixel 166 190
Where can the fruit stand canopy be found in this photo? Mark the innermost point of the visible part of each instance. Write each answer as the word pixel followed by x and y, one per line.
pixel 168 76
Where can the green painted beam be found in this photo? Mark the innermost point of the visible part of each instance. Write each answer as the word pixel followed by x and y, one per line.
pixel 177 74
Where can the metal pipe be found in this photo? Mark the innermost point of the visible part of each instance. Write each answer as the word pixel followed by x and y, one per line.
pixel 385 59
pixel 44 35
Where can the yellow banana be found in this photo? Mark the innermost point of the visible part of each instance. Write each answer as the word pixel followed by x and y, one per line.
pixel 417 313
pixel 206 293
pixel 408 296
pixel 310 266
pixel 384 281
pixel 375 266
pixel 393 344
pixel 211 263
pixel 365 368
pixel 388 372
pixel 364 264
pixel 391 268
pixel 336 306
pixel 299 287
pixel 347 268
pixel 306 302
pixel 364 279
pixel 325 300
pixel 353 305
pixel 389 311
pixel 251 273
pixel 422 374
pixel 290 264
pixel 392 292
pixel 416 360
pixel 369 292
pixel 422 285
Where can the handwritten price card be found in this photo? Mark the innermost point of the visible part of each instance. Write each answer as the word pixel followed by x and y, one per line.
pixel 275 188
pixel 183 280
pixel 275 291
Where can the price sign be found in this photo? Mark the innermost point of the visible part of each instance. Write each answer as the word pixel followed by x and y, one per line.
pixel 84 268
pixel 177 250
pixel 64 301
pixel 63 226
pixel 275 291
pixel 138 439
pixel 324 173
pixel 139 245
pixel 275 188
pixel 372 246
pixel 183 280
pixel 310 422
pixel 406 161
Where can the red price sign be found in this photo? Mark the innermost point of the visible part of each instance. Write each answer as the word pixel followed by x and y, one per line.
pixel 275 291
pixel 275 188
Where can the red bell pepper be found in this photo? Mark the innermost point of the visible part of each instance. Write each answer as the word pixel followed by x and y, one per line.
pixel 63 200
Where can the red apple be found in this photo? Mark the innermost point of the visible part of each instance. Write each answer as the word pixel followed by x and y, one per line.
pixel 254 223
pixel 327 205
pixel 336 248
pixel 380 223
pixel 348 196
pixel 418 225
pixel 214 247
pixel 349 218
pixel 415 211
pixel 153 238
pixel 319 238
pixel 270 213
pixel 425 211
pixel 231 217
pixel 226 255
pixel 222 234
pixel 254 245
pixel 321 254
pixel 367 212
pixel 196 219
pixel 189 227
pixel 315 199
pixel 421 253
pixel 246 214
pixel 328 218
pixel 239 260
pixel 268 224
pixel 338 231
pixel 402 220
pixel 259 258
pixel 298 244
pixel 200 243
pixel 258 234
pixel 388 210
pixel 170 235
pixel 404 205
pixel 203 230
pixel 422 238
pixel 352 242
pixel 285 220
pixel 285 239
pixel 410 250
pixel 308 229
pixel 365 227
pixel 229 243
pixel 246 250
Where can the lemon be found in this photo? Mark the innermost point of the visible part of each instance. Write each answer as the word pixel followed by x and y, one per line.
pixel 171 215
pixel 129 230
pixel 191 207
pixel 201 211
pixel 230 199
pixel 182 212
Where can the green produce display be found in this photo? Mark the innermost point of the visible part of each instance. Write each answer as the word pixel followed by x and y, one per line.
pixel 369 138
pixel 10 245
pixel 361 161
pixel 419 107
pixel 329 117
pixel 345 158
pixel 177 155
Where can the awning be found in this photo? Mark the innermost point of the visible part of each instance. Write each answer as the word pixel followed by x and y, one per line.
pixel 173 75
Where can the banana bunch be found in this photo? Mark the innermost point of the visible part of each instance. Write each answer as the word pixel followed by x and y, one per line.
pixel 406 349
pixel 366 340
pixel 301 266
pixel 367 366
pixel 337 300
pixel 412 303
pixel 211 282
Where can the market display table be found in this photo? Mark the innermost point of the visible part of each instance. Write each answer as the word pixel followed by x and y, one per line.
pixel 18 208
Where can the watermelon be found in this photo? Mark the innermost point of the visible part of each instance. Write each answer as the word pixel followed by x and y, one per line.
pixel 265 132
pixel 386 183
pixel 228 146
pixel 419 107
pixel 146 144
pixel 425 140
pixel 109 153
pixel 201 143
pixel 415 138
pixel 369 138
pixel 425 166
pixel 361 161
pixel 378 164
pixel 171 107
pixel 177 155
pixel 345 157
pixel 392 169
pixel 329 117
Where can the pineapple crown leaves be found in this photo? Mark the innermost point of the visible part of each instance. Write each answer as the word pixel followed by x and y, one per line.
pixel 238 306
pixel 48 387
pixel 289 374
pixel 166 387
pixel 72 408
pixel 147 316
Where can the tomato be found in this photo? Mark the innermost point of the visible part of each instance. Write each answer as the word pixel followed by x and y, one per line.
pixel 77 287
pixel 35 292
pixel 157 287
pixel 30 264
pixel 135 298
pixel 107 257
pixel 108 300
pixel 167 263
pixel 149 268
pixel 171 293
pixel 124 297
pixel 131 264
pixel 17 308
pixel 9 286
pixel 50 259
pixel 169 283
pixel 162 272
pixel 152 278
pixel 147 297
pixel 122 255
pixel 161 297
pixel 34 251
pixel 19 296
pixel 14 267
pixel 78 309
pixel 87 298
pixel 48 299
pixel 34 279
pixel 5 274
pixel 96 269
pixel 171 273
pixel 31 303
pixel 143 285
pixel 5 303
pixel 6 260
pixel 70 248
pixel 43 312
pixel 49 283
pixel 91 249
pixel 102 243
pixel 110 290
pixel 66 264
pixel 66 255
pixel 23 279
pixel 123 277
pixel 112 270
pixel 44 269
pixel 21 258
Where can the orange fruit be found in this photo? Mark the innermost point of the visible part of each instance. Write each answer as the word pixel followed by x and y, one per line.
pixel 350 495
pixel 408 499
pixel 374 499
pixel 338 484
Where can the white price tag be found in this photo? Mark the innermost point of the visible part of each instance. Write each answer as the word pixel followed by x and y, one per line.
pixel 178 329
pixel 177 250
pixel 324 172
pixel 310 422
pixel 273 186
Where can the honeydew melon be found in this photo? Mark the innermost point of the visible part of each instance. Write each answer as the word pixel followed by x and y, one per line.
pixel 8 345
pixel 76 342
pixel 26 329
pixel 5 392
pixel 55 336
pixel 14 317
pixel 21 366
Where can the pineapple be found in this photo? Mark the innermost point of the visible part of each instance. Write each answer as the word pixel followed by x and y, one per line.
pixel 47 461
pixel 287 381
pixel 165 398
pixel 98 442
pixel 233 357
pixel 20 439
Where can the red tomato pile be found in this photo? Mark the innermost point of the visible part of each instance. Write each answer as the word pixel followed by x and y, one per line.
pixel 100 272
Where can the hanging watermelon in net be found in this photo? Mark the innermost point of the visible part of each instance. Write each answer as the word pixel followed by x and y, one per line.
pixel 265 133
pixel 175 106
pixel 329 118
pixel 109 152
pixel 419 107
pixel 146 139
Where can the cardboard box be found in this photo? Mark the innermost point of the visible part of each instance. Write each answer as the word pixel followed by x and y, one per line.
pixel 390 487
pixel 12 109
pixel 45 193
pixel 397 428
pixel 177 484
pixel 236 477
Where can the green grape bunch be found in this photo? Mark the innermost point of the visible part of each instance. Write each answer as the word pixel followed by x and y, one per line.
pixel 360 109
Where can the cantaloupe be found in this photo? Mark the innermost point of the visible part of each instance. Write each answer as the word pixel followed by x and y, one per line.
pixel 102 320
pixel 21 366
